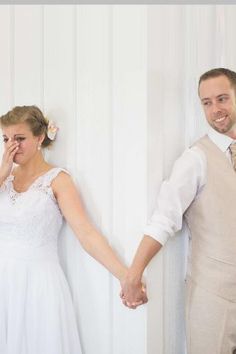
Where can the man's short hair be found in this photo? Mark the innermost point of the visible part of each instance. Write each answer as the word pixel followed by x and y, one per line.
pixel 231 75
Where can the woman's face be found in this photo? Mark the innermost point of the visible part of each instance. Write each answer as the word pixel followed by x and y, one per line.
pixel 28 143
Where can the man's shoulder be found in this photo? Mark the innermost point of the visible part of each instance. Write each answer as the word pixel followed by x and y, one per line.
pixel 204 138
pixel 193 157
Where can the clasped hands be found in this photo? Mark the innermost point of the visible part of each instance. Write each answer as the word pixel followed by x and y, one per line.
pixel 133 292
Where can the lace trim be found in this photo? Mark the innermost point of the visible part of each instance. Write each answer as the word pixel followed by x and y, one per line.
pixel 5 183
pixel 14 195
pixel 42 183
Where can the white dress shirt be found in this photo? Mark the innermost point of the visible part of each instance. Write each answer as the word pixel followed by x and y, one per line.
pixel 187 179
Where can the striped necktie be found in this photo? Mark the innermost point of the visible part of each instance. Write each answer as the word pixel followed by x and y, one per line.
pixel 232 149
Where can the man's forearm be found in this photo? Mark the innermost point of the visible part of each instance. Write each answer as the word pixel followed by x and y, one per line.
pixel 133 291
pixel 146 251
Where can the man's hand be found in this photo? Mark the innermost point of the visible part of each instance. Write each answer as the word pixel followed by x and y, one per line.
pixel 133 293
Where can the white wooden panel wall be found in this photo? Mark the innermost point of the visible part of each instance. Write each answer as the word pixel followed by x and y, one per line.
pixel 121 83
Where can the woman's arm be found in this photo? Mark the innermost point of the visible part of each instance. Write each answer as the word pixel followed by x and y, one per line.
pixel 91 240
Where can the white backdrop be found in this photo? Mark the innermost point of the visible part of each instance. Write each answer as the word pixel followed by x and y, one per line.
pixel 121 83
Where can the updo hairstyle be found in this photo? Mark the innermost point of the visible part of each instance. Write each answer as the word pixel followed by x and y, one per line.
pixel 32 116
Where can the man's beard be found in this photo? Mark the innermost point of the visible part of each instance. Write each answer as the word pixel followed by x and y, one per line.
pixel 224 129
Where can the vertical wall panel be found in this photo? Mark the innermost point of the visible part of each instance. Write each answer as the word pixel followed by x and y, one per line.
pixel 129 158
pixel 200 55
pixel 6 93
pixel 174 127
pixel 155 168
pixel 5 58
pixel 94 167
pixel 27 55
pixel 59 82
pixel 167 123
pixel 225 35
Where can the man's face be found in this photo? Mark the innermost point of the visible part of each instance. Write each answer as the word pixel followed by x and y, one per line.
pixel 219 103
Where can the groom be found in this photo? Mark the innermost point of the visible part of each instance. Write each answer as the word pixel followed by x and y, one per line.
pixel 201 190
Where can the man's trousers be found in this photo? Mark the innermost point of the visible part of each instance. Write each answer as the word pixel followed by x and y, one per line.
pixel 210 322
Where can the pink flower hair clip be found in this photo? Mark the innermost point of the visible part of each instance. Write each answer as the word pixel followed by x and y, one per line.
pixel 52 130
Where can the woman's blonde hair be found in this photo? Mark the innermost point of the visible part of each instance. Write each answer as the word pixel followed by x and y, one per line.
pixel 32 116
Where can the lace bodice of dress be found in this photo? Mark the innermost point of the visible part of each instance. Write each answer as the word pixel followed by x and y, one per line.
pixel 33 217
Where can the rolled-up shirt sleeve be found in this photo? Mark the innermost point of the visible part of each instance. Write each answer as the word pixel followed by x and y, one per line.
pixel 176 194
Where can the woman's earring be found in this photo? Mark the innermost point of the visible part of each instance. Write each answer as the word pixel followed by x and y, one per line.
pixel 39 147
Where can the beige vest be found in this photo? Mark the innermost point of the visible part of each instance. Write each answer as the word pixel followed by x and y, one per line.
pixel 211 219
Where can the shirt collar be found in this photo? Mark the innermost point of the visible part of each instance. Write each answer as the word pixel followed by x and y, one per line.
pixel 221 140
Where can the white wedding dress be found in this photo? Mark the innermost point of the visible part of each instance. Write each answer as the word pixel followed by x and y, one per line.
pixel 36 309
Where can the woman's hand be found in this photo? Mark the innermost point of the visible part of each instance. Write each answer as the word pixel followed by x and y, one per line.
pixel 133 293
pixel 11 148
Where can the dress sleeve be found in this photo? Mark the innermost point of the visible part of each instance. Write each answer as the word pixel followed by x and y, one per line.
pixel 49 177
pixel 187 179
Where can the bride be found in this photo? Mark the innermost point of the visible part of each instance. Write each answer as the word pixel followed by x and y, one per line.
pixel 36 310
